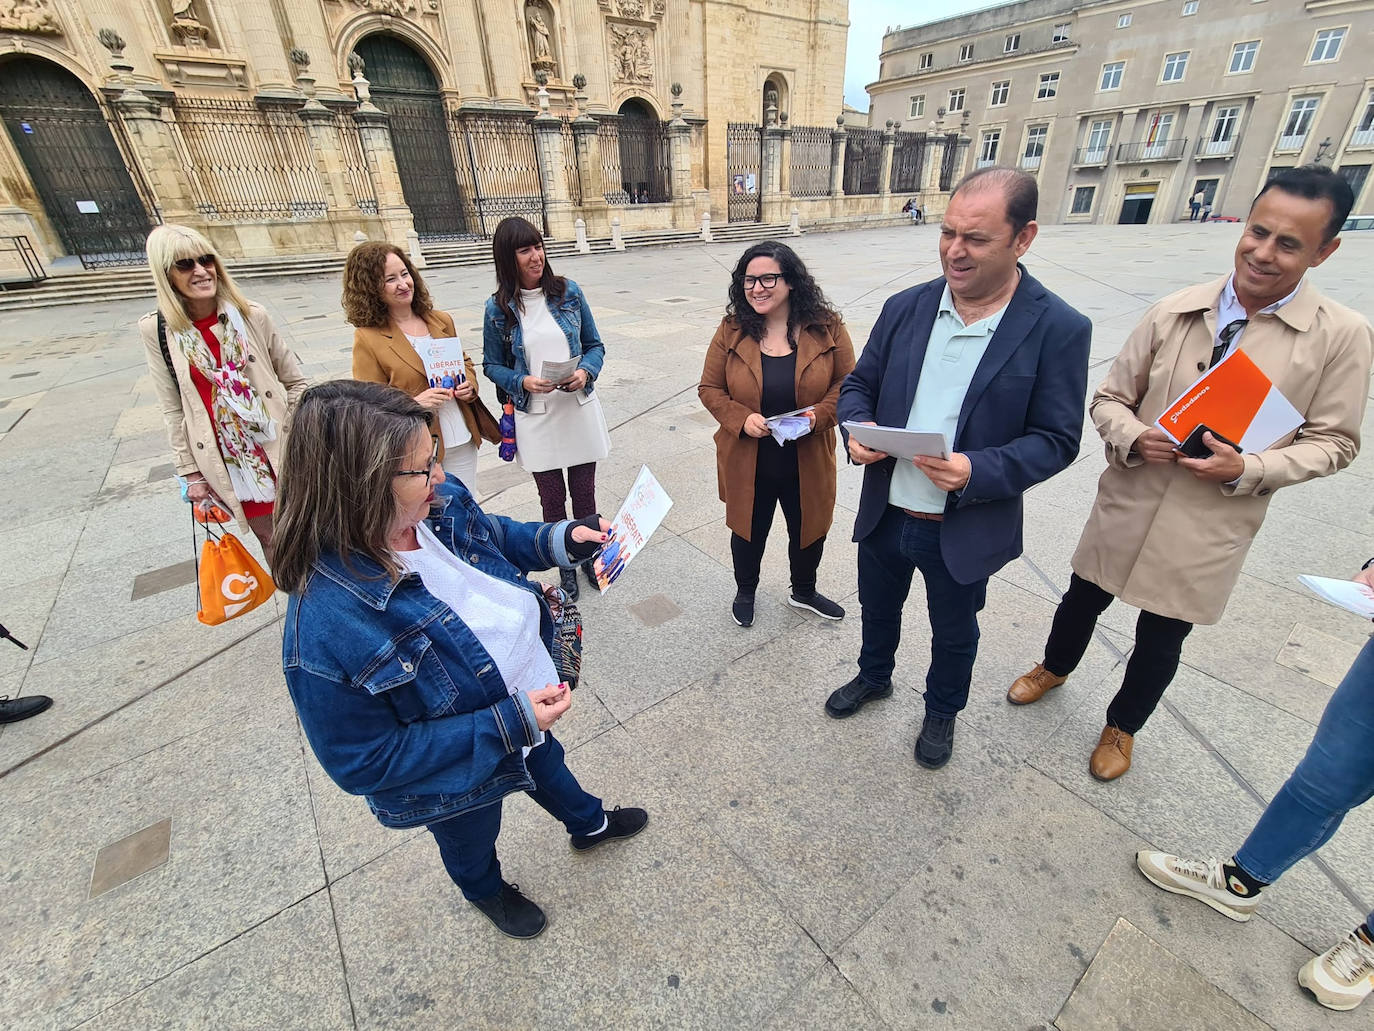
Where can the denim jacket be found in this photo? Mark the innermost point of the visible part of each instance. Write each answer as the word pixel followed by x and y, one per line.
pixel 398 698
pixel 503 352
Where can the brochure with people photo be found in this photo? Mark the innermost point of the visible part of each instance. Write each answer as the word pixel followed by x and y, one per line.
pixel 443 358
pixel 640 515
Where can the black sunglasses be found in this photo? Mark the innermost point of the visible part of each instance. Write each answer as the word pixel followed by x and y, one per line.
pixel 186 264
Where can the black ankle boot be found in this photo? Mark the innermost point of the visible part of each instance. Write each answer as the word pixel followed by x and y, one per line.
pixel 588 568
pixel 567 579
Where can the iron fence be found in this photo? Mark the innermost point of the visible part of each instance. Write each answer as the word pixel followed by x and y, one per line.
pixel 642 148
pixel 355 163
pixel 743 165
pixel 571 175
pixel 950 160
pixel 809 169
pixel 612 178
pixel 498 169
pixel 862 160
pixel 246 161
pixel 908 158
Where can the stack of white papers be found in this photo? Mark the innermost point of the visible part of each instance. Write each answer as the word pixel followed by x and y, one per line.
pixel 1349 595
pixel 898 441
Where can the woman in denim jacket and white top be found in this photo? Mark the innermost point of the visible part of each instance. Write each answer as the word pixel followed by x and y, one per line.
pixel 536 317
pixel 416 649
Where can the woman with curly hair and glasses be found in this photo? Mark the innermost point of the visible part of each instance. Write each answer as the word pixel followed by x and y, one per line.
pixel 780 350
pixel 386 301
pixel 225 380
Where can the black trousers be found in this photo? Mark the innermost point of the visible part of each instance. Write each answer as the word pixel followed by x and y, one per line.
pixel 769 493
pixel 1149 670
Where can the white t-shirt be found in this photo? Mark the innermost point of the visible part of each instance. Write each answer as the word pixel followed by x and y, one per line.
pixel 503 617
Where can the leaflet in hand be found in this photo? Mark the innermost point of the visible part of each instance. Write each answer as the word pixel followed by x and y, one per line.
pixel 558 372
pixel 789 425
pixel 640 515
pixel 443 357
pixel 1349 595
pixel 900 442
pixel 1236 400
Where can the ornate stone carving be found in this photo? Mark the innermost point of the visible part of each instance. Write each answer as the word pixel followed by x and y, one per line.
pixel 632 56
pixel 188 29
pixel 29 16
pixel 630 8
pixel 395 8
pixel 541 39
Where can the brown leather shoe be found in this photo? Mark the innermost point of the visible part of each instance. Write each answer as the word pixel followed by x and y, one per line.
pixel 1032 686
pixel 1112 756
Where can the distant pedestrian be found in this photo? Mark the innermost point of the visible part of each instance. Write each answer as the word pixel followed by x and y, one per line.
pixel 1335 776
pixel 1206 210
pixel 1195 205
pixel 227 382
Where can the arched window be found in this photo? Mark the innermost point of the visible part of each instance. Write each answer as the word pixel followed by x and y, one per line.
pixel 644 166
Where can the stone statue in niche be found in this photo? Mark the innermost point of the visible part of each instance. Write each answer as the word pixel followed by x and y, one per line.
pixel 29 16
pixel 541 41
pixel 631 54
pixel 189 30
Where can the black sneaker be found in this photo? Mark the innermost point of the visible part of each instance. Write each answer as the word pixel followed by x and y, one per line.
pixel 12 710
pixel 817 603
pixel 743 608
pixel 567 579
pixel 620 823
pixel 512 913
pixel 936 743
pixel 588 567
pixel 853 696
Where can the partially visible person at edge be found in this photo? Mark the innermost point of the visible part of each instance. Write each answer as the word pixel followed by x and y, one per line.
pixel 1169 534
pixel 385 298
pixel 228 395
pixel 988 356
pixel 536 317
pixel 1335 776
pixel 12 710
pixel 416 648
pixel 780 347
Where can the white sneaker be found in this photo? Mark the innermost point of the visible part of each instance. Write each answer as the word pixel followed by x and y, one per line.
pixel 1203 880
pixel 1341 976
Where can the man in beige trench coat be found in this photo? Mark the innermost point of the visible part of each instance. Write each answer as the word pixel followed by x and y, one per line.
pixel 1169 534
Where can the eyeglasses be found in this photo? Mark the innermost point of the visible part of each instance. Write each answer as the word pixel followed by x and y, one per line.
pixel 186 264
pixel 768 280
pixel 428 470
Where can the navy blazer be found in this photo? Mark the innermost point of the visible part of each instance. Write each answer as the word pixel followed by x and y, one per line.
pixel 1020 422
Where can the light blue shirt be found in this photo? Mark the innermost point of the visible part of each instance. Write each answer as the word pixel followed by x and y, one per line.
pixel 952 357
pixel 1229 309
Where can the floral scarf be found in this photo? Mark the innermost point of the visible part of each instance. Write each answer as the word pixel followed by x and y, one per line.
pixel 241 421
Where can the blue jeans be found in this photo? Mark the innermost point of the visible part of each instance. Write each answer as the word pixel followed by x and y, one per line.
pixel 467 842
pixel 1335 776
pixel 888 557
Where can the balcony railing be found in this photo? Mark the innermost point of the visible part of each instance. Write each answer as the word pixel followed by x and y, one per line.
pixel 1292 142
pixel 1362 138
pixel 985 162
pixel 1161 150
pixel 1092 155
pixel 1217 148
pixel 1030 162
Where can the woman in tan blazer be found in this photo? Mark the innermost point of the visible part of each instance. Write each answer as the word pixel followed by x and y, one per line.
pixel 386 301
pixel 225 380
pixel 781 347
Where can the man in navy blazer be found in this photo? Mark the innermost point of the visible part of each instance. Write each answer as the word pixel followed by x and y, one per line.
pixel 999 364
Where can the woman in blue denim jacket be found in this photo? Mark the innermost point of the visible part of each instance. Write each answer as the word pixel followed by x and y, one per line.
pixel 416 648
pixel 533 319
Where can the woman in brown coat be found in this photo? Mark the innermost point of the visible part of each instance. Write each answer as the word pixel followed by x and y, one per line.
pixel 780 350
pixel 386 300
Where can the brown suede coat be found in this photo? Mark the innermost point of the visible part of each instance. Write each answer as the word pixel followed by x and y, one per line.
pixel 731 388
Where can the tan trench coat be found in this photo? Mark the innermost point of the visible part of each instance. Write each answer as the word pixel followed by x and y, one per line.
pixel 731 388
pixel 386 355
pixel 274 375
pixel 1158 537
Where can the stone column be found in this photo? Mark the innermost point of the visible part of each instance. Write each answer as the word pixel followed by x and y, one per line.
pixel 885 161
pixel 305 19
pixel 934 158
pixel 548 145
pixel 261 39
pixel 155 151
pixel 680 165
pixel 466 44
pixel 838 140
pixel 595 211
pixel 774 203
pixel 374 133
pixel 327 149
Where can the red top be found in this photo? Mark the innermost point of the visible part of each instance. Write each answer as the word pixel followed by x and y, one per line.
pixel 251 509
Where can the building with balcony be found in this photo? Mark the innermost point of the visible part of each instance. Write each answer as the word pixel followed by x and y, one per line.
pixel 1124 110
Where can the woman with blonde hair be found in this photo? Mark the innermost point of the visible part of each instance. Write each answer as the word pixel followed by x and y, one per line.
pixel 225 379
pixel 395 321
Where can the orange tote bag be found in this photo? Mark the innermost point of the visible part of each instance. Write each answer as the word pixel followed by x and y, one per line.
pixel 229 581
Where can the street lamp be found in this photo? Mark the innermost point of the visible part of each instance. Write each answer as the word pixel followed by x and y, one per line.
pixel 1322 148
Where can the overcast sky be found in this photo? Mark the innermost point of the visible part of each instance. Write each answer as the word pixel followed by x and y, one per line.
pixel 869 19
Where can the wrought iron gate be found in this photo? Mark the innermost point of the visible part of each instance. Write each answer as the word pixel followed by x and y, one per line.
pixel 499 174
pixel 743 160
pixel 78 172
pixel 404 87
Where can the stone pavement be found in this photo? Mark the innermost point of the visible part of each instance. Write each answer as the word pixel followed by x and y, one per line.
pixel 175 857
